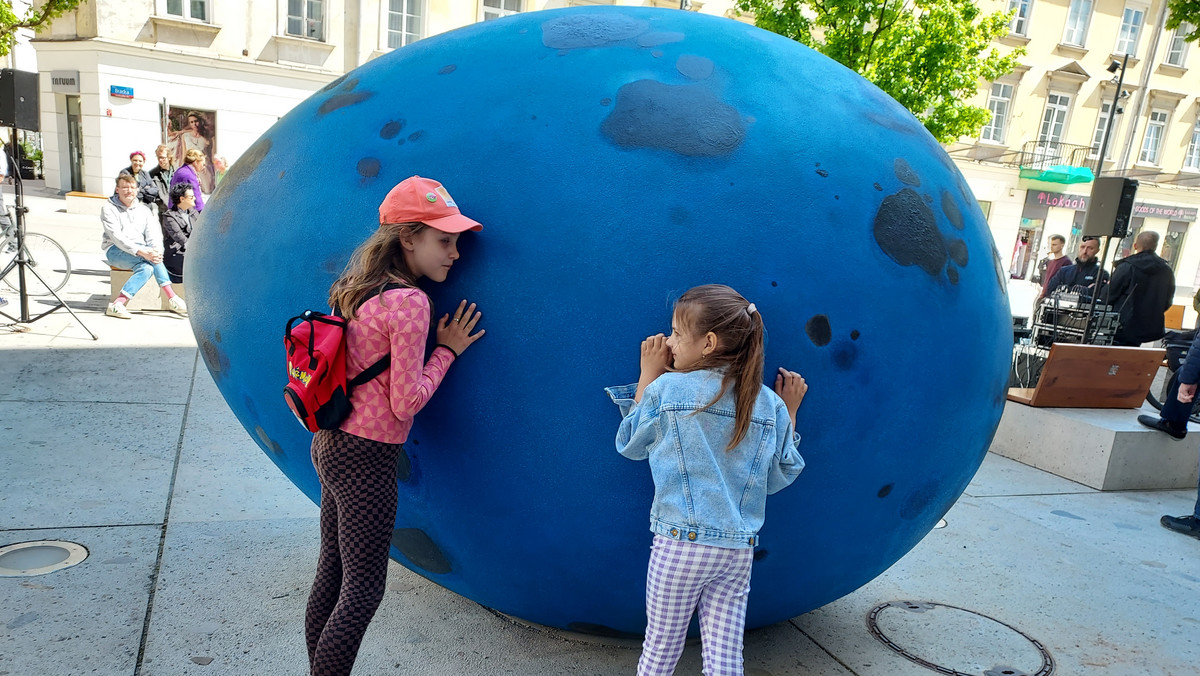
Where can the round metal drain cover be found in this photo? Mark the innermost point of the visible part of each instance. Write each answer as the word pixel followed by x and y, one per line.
pixel 957 641
pixel 39 557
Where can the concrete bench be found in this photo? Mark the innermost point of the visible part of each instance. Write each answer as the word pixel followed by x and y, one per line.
pixel 149 297
pixel 85 203
pixel 1103 448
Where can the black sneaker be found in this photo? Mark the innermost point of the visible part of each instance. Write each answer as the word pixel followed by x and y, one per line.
pixel 1188 525
pixel 1156 423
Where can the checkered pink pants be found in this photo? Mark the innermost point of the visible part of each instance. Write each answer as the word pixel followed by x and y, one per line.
pixel 683 577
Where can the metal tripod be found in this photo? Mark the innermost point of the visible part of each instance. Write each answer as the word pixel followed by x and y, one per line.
pixel 23 259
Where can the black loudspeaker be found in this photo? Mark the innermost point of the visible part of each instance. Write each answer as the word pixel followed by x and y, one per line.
pixel 1110 207
pixel 19 99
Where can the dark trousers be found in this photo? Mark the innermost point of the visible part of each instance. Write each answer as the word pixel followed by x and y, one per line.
pixel 358 513
pixel 1173 410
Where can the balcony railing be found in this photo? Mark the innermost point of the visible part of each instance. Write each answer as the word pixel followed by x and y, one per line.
pixel 1057 162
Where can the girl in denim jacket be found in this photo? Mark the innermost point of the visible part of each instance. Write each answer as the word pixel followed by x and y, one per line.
pixel 718 442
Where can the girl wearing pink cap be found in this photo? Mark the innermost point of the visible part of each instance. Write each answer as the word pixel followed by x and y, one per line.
pixel 419 226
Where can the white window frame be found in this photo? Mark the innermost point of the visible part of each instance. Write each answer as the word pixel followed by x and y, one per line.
pixel 1152 138
pixel 1098 134
pixel 386 23
pixel 1178 47
pixel 1079 18
pixel 187 9
pixel 1191 158
pixel 1020 21
pixel 1058 103
pixel 1000 105
pixel 307 22
pixel 1133 19
pixel 488 9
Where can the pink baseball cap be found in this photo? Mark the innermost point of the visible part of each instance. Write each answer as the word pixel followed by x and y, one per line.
pixel 424 200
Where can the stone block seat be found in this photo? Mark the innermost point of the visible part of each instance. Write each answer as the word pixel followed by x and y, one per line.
pixel 149 297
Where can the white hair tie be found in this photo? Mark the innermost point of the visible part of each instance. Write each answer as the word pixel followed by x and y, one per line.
pixel 751 309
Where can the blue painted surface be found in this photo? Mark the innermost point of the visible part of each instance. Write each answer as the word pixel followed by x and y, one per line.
pixel 618 156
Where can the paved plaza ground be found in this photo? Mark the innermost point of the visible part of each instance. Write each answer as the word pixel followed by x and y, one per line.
pixel 201 551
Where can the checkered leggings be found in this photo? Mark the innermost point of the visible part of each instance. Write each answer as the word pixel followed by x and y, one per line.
pixel 683 576
pixel 358 513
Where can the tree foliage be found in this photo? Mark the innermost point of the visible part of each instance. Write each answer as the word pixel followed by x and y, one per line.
pixel 35 17
pixel 1185 11
pixel 929 55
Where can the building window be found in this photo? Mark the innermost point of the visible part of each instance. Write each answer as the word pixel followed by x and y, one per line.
pixel 494 9
pixel 1152 142
pixel 306 18
pixel 998 103
pixel 404 22
pixel 1098 136
pixel 1020 22
pixel 196 10
pixel 1054 120
pixel 1177 49
pixel 1131 29
pixel 1078 17
pixel 1191 159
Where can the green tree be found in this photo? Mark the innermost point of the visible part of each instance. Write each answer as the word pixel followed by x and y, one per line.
pixel 35 17
pixel 1185 11
pixel 927 54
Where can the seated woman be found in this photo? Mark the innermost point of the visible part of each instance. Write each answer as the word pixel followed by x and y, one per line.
pixel 193 163
pixel 177 228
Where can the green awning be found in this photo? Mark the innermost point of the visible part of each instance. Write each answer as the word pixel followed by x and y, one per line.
pixel 1060 173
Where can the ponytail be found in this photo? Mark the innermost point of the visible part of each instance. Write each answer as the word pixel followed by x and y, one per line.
pixel 739 330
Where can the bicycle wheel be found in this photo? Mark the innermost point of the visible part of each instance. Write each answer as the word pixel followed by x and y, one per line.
pixel 1156 396
pixel 47 258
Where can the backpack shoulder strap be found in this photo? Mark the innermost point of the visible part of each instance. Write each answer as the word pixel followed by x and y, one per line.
pixel 385 361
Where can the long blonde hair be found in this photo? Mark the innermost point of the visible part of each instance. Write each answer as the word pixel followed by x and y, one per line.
pixel 376 262
pixel 723 311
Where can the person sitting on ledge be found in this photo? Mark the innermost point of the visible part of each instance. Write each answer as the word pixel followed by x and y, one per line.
pixel 133 241
pixel 1175 411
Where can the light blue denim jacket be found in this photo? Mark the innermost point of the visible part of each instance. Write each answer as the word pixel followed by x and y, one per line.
pixel 702 492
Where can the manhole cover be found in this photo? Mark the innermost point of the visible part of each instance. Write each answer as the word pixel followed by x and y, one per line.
pixel 39 557
pixel 957 641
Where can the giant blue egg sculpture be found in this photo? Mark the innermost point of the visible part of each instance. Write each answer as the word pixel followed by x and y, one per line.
pixel 616 157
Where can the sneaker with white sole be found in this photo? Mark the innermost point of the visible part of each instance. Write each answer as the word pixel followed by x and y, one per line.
pixel 118 310
pixel 177 306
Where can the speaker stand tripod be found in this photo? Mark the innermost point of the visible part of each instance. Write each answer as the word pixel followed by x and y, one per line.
pixel 22 261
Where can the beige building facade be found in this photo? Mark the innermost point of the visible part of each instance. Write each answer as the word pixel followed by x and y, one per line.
pixel 1031 166
pixel 123 75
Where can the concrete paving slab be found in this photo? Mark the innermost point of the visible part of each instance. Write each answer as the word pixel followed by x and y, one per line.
pixel 234 593
pixel 86 464
pixel 81 620
pixel 146 375
pixel 1095 612
pixel 223 475
pixel 999 475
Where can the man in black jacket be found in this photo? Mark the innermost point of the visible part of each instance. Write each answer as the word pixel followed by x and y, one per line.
pixel 1080 277
pixel 1142 289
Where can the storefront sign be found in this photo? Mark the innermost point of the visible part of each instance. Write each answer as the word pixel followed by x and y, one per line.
pixel 120 92
pixel 1164 211
pixel 64 81
pixel 1041 198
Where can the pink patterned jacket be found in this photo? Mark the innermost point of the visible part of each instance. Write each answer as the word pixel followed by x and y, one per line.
pixel 397 321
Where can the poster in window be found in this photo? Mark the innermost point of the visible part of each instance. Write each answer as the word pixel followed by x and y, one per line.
pixel 188 128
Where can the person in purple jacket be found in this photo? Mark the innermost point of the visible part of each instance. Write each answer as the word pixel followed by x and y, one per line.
pixel 193 163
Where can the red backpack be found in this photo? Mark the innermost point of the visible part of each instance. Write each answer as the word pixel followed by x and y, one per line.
pixel 317 390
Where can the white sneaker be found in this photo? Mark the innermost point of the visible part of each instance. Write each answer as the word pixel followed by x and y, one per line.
pixel 177 306
pixel 118 310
